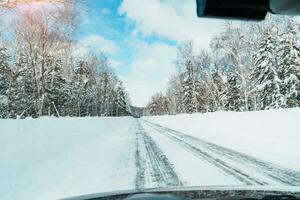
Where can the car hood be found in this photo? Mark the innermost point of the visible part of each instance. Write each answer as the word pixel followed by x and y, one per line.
pixel 199 192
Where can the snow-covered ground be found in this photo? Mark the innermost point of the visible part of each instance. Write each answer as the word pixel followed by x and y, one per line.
pixel 51 158
pixel 272 135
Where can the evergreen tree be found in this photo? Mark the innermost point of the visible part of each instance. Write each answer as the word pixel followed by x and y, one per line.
pixel 4 82
pixel 83 89
pixel 121 101
pixel 265 77
pixel 3 97
pixel 23 90
pixel 5 71
pixel 289 66
pixel 57 88
pixel 234 100
pixel 4 58
pixel 190 87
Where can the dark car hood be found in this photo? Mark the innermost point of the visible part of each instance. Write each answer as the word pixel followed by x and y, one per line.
pixel 199 192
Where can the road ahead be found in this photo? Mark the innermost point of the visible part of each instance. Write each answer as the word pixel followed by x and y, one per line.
pixel 165 157
pixel 63 157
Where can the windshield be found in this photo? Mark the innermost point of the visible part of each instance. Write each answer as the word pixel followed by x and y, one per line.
pixel 104 96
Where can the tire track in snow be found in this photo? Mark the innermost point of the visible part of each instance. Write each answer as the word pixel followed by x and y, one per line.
pixel 232 172
pixel 139 163
pixel 215 155
pixel 153 167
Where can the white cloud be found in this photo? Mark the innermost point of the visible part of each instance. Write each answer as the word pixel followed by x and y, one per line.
pixel 96 43
pixel 149 71
pixel 175 20
pixel 172 19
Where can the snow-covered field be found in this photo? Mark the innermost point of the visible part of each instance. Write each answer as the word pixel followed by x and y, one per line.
pixel 51 158
pixel 272 135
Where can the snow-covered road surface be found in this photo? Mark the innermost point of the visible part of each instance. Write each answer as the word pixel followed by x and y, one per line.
pixel 153 167
pixel 240 167
pixel 52 158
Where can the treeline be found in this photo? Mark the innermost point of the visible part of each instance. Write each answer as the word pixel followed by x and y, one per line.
pixel 252 66
pixel 40 75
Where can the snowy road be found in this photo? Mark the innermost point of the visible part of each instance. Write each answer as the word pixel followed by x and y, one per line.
pixel 92 155
pixel 153 167
pixel 240 168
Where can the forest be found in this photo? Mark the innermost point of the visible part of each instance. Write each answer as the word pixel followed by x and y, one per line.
pixel 247 67
pixel 40 74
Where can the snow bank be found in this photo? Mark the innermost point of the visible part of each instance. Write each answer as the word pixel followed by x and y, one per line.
pixel 272 135
pixel 51 158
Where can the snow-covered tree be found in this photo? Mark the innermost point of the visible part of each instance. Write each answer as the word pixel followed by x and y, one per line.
pixel 103 94
pixel 56 87
pixel 232 47
pixel 121 101
pixel 289 65
pixel 205 98
pixel 189 88
pixel 159 105
pixel 175 95
pixel 3 59
pixel 82 86
pixel 3 97
pixel 5 78
pixel 190 83
pixel 45 77
pixel 23 89
pixel 217 87
pixel 253 66
pixel 233 94
pixel 265 77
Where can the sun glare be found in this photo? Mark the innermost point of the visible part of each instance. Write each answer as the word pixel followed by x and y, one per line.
pixel 13 3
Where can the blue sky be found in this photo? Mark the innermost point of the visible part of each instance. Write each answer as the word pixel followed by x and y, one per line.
pixel 140 37
pixel 101 19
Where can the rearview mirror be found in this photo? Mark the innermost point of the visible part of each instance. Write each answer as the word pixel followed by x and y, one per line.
pixel 246 9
